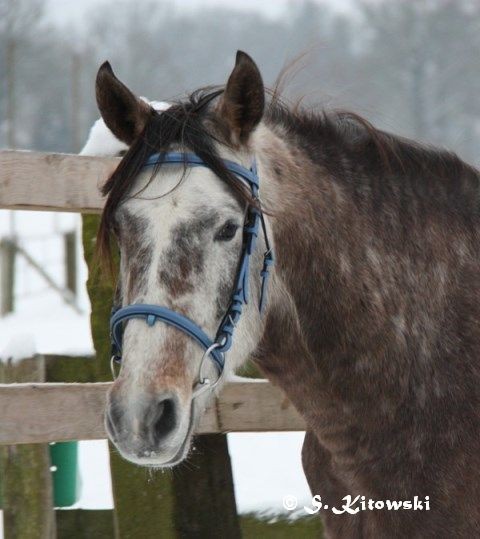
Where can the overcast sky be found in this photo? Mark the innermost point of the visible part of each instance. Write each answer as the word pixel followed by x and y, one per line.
pixel 65 11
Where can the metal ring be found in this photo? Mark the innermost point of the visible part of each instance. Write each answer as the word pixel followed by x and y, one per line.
pixel 204 383
pixel 205 355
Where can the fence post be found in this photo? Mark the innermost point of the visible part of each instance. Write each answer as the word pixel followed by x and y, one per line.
pixel 26 479
pixel 209 509
pixel 85 524
pixel 78 524
pixel 7 276
pixel 70 249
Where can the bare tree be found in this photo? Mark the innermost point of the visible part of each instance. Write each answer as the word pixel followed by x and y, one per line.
pixel 18 18
pixel 424 59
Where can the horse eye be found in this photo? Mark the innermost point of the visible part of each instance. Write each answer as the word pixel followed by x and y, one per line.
pixel 227 232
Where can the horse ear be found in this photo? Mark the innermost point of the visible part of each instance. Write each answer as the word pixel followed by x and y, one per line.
pixel 124 114
pixel 243 101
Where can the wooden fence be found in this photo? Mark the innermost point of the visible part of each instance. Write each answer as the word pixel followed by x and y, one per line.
pixel 66 411
pixel 47 406
pixel 49 412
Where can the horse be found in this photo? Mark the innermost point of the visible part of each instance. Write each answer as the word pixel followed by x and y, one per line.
pixel 372 324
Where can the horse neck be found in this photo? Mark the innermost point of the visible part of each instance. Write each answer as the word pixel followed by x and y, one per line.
pixel 315 318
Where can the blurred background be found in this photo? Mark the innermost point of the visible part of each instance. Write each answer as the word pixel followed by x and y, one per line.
pixel 411 67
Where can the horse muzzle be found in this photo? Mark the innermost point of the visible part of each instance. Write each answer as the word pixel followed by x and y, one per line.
pixel 155 430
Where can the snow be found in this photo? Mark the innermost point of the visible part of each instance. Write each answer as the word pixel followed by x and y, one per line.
pixel 54 326
pixel 95 480
pixel 55 329
pixel 19 346
pixel 102 142
pixel 266 467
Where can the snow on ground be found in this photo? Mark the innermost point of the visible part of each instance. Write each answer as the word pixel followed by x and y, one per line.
pixel 54 326
pixel 19 346
pixel 55 329
pixel 266 466
pixel 95 482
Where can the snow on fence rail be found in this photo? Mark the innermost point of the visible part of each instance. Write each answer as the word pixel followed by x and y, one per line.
pixel 44 412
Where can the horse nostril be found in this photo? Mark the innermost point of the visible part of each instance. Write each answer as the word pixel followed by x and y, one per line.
pixel 164 420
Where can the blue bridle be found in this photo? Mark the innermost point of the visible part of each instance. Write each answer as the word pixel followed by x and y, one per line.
pixel 217 347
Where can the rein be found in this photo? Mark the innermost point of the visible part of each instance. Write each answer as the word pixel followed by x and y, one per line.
pixel 215 348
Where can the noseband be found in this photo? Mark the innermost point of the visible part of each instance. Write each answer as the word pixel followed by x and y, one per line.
pixel 215 348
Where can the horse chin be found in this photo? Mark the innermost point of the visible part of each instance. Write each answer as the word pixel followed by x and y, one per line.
pixel 157 460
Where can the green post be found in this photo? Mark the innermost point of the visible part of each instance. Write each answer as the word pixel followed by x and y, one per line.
pixel 64 460
pixel 26 484
pixel 208 509
pixel 144 505
pixel 85 524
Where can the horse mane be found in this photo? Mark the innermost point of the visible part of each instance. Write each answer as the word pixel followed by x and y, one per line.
pixel 348 133
pixel 327 137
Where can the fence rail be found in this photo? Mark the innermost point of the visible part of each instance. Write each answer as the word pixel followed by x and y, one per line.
pixel 53 412
pixel 47 412
pixel 52 182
